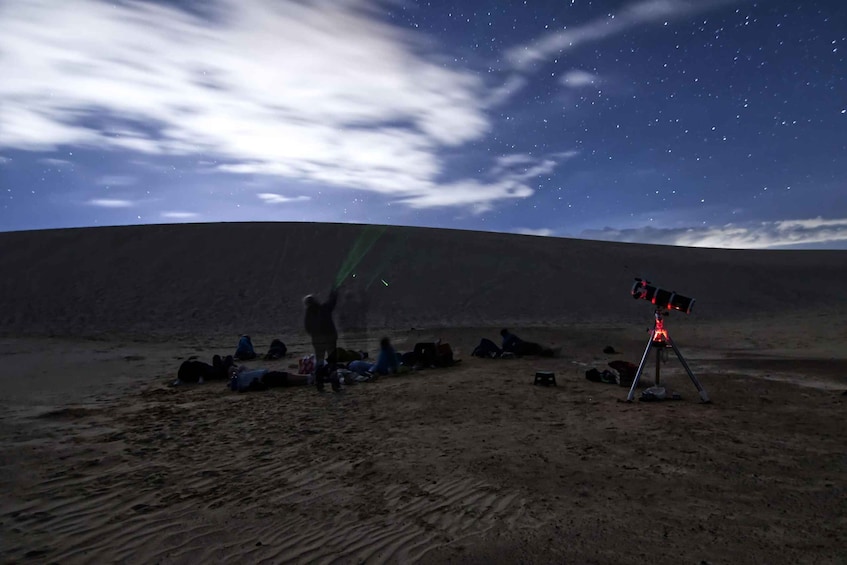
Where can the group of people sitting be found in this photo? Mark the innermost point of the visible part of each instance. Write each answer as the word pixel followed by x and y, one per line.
pixel 245 351
pixel 341 366
pixel 332 363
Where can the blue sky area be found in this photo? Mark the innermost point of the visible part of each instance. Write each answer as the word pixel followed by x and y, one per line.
pixel 717 123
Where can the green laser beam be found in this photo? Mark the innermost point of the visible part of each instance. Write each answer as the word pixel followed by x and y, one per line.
pixel 358 251
pixel 387 257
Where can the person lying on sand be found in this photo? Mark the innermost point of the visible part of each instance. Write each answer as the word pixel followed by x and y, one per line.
pixel 386 362
pixel 514 344
pixel 242 379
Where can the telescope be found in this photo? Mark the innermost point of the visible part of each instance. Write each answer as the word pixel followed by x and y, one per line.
pixel 660 339
pixel 664 299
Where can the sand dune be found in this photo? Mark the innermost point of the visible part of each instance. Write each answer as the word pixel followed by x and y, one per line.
pixel 225 278
pixel 102 461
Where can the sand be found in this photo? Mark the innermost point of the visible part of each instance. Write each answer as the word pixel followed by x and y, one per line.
pixel 102 461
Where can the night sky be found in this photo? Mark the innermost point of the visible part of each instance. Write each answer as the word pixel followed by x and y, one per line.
pixel 718 123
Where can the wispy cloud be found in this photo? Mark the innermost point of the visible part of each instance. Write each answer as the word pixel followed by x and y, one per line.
pixel 648 11
pixel 272 198
pixel 523 167
pixel 546 232
pixel 577 78
pixel 4 160
pixel 179 215
pixel 110 203
pixel 316 91
pixel 55 162
pixel 761 235
pixel 116 180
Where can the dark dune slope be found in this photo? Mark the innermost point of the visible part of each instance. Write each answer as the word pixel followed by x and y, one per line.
pixel 216 278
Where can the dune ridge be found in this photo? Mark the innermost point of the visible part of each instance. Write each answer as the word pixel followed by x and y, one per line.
pixel 224 278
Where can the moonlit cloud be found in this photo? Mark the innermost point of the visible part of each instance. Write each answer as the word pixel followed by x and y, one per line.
pixel 116 180
pixel 179 215
pixel 761 235
pixel 469 193
pixel 577 78
pixel 507 90
pixel 645 12
pixel 523 167
pixel 545 232
pixel 55 162
pixel 316 91
pixel 111 203
pixel 271 198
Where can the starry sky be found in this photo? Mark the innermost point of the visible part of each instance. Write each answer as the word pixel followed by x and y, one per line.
pixel 709 123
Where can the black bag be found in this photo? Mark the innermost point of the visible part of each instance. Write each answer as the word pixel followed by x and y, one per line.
pixel 278 350
pixel 626 370
pixel 408 358
pixel 487 349
pixel 443 355
pixel 425 354
pixel 596 376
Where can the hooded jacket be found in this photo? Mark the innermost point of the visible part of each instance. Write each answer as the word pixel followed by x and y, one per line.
pixel 318 319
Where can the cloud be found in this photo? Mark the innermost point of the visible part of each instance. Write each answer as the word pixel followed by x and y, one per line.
pixel 545 232
pixel 56 162
pixel 179 215
pixel 271 198
pixel 761 235
pixel 476 194
pixel 116 180
pixel 577 78
pixel 648 11
pixel 315 91
pixel 523 167
pixel 504 92
pixel 110 203
pixel 4 160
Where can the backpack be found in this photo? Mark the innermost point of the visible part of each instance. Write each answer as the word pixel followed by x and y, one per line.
pixel 245 350
pixel 408 358
pixel 596 376
pixel 443 355
pixel 487 349
pixel 278 350
pixel 626 370
pixel 425 354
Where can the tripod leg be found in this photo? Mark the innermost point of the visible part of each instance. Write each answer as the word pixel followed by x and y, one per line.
pixel 703 395
pixel 631 394
pixel 658 363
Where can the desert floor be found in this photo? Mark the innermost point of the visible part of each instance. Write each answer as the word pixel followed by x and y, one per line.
pixel 102 461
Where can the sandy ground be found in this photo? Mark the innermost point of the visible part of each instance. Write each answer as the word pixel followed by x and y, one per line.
pixel 102 461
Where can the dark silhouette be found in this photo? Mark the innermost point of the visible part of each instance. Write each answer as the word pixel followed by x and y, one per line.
pixel 321 328
pixel 519 347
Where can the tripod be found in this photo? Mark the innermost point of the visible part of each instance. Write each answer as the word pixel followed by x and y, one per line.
pixel 660 339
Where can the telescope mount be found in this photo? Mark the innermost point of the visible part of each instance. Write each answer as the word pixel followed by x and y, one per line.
pixel 661 340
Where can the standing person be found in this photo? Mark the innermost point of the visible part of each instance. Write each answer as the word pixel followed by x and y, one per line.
pixel 320 327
